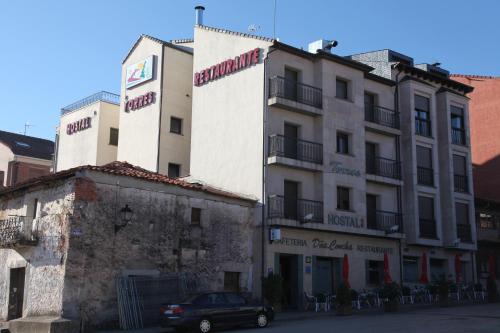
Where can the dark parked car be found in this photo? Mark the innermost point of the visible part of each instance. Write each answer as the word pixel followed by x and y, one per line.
pixel 212 310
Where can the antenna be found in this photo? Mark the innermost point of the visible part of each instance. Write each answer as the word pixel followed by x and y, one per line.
pixel 274 19
pixel 26 126
pixel 252 28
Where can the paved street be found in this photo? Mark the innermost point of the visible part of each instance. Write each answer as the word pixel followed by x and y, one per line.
pixel 470 319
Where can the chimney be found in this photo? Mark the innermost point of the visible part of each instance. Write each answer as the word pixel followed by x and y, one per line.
pixel 323 45
pixel 199 14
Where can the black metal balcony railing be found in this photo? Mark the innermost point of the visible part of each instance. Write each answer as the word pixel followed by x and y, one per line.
pixel 464 233
pixel 297 149
pixel 16 231
pixel 386 221
pixel 295 91
pixel 295 209
pixel 461 183
pixel 427 228
pixel 425 176
pixel 423 127
pixel 382 116
pixel 384 167
pixel 458 136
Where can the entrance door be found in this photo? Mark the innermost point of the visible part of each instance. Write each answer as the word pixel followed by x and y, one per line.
pixel 371 211
pixel 291 78
pixel 290 200
pixel 323 279
pixel 291 136
pixel 16 293
pixel 288 265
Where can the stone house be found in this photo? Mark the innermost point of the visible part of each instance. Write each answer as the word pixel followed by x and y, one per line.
pixel 66 238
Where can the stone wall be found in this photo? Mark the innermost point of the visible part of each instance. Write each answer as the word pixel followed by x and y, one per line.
pixel 44 263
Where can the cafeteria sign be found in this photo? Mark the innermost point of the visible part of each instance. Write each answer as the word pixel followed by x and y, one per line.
pixel 139 72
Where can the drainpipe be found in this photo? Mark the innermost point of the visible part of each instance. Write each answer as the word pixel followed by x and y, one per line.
pixel 398 158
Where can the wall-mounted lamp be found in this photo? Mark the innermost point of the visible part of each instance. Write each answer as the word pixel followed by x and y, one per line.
pixel 125 218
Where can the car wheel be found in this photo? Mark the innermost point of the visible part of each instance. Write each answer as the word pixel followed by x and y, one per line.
pixel 205 325
pixel 262 320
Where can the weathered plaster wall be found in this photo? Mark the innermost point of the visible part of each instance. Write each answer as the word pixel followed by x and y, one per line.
pixel 159 237
pixel 44 263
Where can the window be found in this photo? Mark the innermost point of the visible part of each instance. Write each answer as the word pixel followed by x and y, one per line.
pixel 370 107
pixel 457 125
pixel 210 299
pixel 374 272
pixel 462 219
pixel 232 281
pixel 343 202
pixel 291 79
pixel 113 136
pixel 459 174
pixel 2 175
pixel 426 217
pixel 342 143
pixel 174 170
pixel 175 125
pixel 195 216
pixel 290 201
pixel 425 173
pixel 487 221
pixel 422 116
pixel 410 270
pixel 341 89
pixel 235 299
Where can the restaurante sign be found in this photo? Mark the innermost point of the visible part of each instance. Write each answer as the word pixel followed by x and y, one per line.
pixel 227 67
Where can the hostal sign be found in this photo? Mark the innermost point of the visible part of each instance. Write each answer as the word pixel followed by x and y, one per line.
pixel 79 125
pixel 227 67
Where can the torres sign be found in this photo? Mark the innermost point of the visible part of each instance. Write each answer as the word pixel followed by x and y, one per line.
pixel 227 67
pixel 140 102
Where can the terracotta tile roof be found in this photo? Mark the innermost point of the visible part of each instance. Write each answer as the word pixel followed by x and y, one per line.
pixel 472 76
pixel 126 170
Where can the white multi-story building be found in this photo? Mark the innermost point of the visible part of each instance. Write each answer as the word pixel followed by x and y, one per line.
pixel 361 156
pixel 88 132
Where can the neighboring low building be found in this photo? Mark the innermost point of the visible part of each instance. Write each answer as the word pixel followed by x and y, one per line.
pixel 88 132
pixel 23 157
pixel 66 238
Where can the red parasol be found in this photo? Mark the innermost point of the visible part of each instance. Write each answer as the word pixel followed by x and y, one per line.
pixel 387 274
pixel 423 275
pixel 491 267
pixel 345 271
pixel 458 268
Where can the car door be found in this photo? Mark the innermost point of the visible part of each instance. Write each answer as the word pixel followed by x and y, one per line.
pixel 242 312
pixel 221 312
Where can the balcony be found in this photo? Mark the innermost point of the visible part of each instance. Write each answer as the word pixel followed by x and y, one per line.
pixel 427 228
pixel 382 116
pixel 300 210
pixel 386 221
pixel 384 167
pixel 423 127
pixel 461 183
pixel 16 232
pixel 295 96
pixel 425 176
pixel 458 136
pixel 464 233
pixel 296 149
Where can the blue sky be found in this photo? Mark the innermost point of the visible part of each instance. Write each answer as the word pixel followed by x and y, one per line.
pixel 53 53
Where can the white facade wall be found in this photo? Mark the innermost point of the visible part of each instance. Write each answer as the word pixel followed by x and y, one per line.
pixel 89 146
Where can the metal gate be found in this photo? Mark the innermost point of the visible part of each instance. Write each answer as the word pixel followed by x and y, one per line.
pixel 140 297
